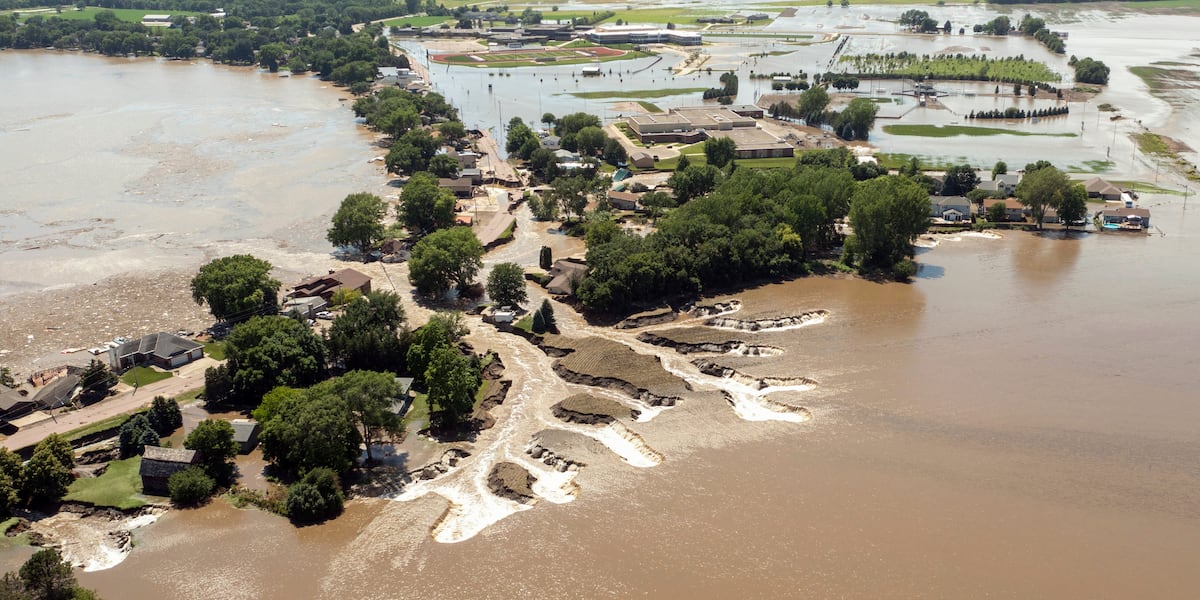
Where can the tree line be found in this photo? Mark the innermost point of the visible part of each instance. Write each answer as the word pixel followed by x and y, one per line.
pixel 957 67
pixel 851 123
pixel 1018 113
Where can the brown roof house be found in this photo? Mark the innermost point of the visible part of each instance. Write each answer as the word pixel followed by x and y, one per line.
pixel 564 275
pixel 1099 188
pixel 1013 209
pixel 326 285
pixel 641 159
pixel 624 200
pixel 460 186
pixel 159 464
pixel 163 350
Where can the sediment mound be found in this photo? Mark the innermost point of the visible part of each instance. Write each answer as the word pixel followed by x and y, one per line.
pixel 718 308
pixel 613 383
pixel 591 410
pixel 727 347
pixel 779 407
pixel 768 324
pixel 512 481
pixel 645 319
pixel 709 367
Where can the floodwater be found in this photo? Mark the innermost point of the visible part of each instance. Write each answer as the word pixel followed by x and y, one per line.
pixel 114 166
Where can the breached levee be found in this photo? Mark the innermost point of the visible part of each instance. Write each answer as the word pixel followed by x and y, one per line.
pixel 717 309
pixel 615 384
pixel 93 538
pixel 512 481
pixel 736 347
pixel 603 416
pixel 714 369
pixel 774 324
pixel 587 409
pixel 622 441
pixel 753 407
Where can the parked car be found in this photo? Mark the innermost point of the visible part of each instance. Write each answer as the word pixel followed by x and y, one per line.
pixel 328 316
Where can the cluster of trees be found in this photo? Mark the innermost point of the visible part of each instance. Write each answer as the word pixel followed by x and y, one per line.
pixel 445 259
pixel 1088 70
pixel 1013 112
pixel 43 479
pixel 299 42
pixel 1036 27
pixel 96 379
pixel 213 442
pixel 791 86
pixel 920 21
pixel 145 428
pixel 838 81
pixel 568 195
pixel 236 287
pixel 45 576
pixel 998 26
pixel 753 224
pixel 450 377
pixel 729 87
pixel 852 123
pixel 957 67
pixel 543 319
pixel 394 111
pixel 959 180
pixel 1044 186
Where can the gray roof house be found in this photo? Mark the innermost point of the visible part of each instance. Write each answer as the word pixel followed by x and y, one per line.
pixel 564 274
pixel 57 393
pixel 245 433
pixel 164 350
pixel 14 404
pixel 1006 183
pixel 159 464
pixel 552 142
pixel 950 208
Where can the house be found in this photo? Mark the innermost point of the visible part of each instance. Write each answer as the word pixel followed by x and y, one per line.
pixel 1005 184
pixel 475 175
pixel 14 404
pixel 156 21
pixel 1125 214
pixel 552 142
pixel 1050 216
pixel 950 208
pixel 1099 188
pixel 159 464
pixel 327 285
pixel 592 71
pixel 564 274
pixel 468 159
pixel 459 186
pixel 1013 209
pixel 245 433
pixel 641 160
pixel 307 307
pixel 58 393
pixel 403 399
pixel 163 350
pixel 566 156
pixel 624 200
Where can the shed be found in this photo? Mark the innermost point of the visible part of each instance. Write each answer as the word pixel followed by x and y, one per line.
pixel 624 200
pixel 641 160
pixel 245 433
pixel 159 464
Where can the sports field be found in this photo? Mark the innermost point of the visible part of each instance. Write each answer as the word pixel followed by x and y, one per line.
pixel 533 56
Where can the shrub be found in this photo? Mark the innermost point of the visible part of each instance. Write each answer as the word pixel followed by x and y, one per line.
pixel 164 415
pixel 136 433
pixel 316 497
pixel 190 487
pixel 904 270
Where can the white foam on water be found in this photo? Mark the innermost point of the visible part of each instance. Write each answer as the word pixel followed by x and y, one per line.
pixel 751 407
pixel 621 441
pixel 749 403
pixel 551 485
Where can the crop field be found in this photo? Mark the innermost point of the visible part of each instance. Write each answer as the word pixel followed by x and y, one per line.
pixel 533 56
pixel 960 67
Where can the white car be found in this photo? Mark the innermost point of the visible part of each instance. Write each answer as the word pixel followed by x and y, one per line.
pixel 328 316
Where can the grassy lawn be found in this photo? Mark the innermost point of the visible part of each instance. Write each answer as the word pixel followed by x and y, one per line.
pixel 635 94
pixel 117 487
pixel 968 68
pixel 941 131
pixel 525 323
pixel 1147 188
pixel 8 543
pixel 649 106
pixel 215 350
pixel 418 411
pixel 698 159
pixel 1092 166
pixel 109 423
pixel 416 21
pixel 189 395
pixel 624 128
pixel 144 376
pixel 131 15
pixel 1155 77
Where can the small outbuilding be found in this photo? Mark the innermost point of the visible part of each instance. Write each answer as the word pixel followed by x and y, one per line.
pixel 159 464
pixel 641 160
pixel 245 433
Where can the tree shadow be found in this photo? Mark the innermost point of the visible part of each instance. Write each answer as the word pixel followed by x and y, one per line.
pixel 928 271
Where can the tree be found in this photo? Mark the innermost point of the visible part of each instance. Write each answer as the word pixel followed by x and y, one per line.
pixel 212 439
pixel 235 287
pixel 452 131
pixel 545 258
pixel 442 329
pixel 693 182
pixel 369 395
pixel 316 497
pixel 1017 89
pixel 1041 189
pixel 1073 206
pixel 46 576
pixel 452 384
pixel 506 284
pixel 445 258
pixel 538 324
pixel 443 165
pixel 190 487
pixel 218 385
pixel 164 415
pixel 656 202
pixel 310 430
pixel 47 475
pixel 571 194
pixel 135 434
pixel 997 213
pixel 548 119
pixel 682 163
pixel 887 214
pixel 1034 166
pixel 368 334
pixel 1088 70
pixel 719 151
pixel 546 311
pixel 358 222
pixel 425 207
pixel 574 123
pixel 97 379
pixel 590 140
pixel 959 180
pixel 519 137
pixel 266 352
pixel 270 56
pixel 10 481
pixel 614 152
pixel 857 119
pixel 1000 168
pixel 811 105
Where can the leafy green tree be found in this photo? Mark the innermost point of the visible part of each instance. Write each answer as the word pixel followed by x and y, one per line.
pixel 538 325
pixel 812 104
pixel 445 258
pixel 614 152
pixel 656 202
pixel 273 402
pixel 545 258
pixel 442 329
pixel 443 165
pixel 694 181
pixel 411 152
pixel 164 415
pixel 135 434
pixel 47 475
pixel 997 213
pixel 590 140
pixel 97 379
pixel 1088 70
pixel 506 284
pixel 520 137
pixel 887 214
pixel 369 333
pixel 857 119
pixel 235 287
pixel 452 384
pixel 548 119
pixel 190 487
pixel 683 163
pixel 270 56
pixel 959 180
pixel 266 352
pixel 369 395
pixel 574 123
pixel 358 222
pixel 571 193
pixel 315 498
pixel 1001 168
pixel 311 430
pixel 213 440
pixel 218 385
pixel 1034 166
pixel 425 207
pixel 977 195
pixel 543 163
pixel 1073 206
pixel 10 481
pixel 1041 189
pixel 546 310
pixel 452 131
pixel 47 576
pixel 719 151
pixel 543 207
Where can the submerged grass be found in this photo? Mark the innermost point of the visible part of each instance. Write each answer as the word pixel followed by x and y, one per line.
pixel 635 94
pixel 1152 143
pixel 941 131
pixel 129 15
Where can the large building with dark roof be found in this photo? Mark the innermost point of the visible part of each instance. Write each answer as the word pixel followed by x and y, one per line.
pixel 159 464
pixel 164 350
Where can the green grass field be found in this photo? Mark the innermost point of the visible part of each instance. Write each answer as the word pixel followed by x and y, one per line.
pixel 109 423
pixel 131 15
pixel 118 487
pixel 215 350
pixel 930 163
pixel 416 21
pixel 8 543
pixel 144 376
pixel 967 68
pixel 650 106
pixel 695 154
pixel 942 131
pixel 635 94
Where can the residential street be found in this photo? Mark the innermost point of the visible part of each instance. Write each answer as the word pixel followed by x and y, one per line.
pixel 127 400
